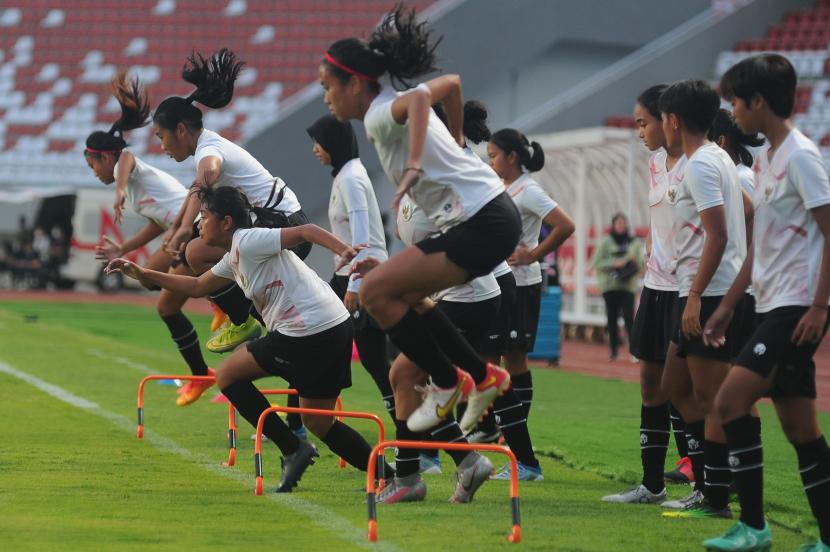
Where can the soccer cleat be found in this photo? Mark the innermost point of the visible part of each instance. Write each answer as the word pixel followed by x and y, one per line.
pixel 526 473
pixel 682 473
pixel 703 510
pixel 741 538
pixel 404 489
pixel 473 471
pixel 479 436
pixel 496 381
pixel 233 336
pixel 637 495
pixel 219 317
pixel 295 465
pixel 817 546
pixel 191 392
pixel 438 403
pixel 691 501
pixel 429 465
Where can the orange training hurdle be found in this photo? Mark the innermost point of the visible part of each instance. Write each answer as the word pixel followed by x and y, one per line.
pixel 140 430
pixel 515 535
pixel 339 414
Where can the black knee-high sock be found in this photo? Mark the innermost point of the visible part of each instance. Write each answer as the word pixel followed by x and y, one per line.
pixel 679 431
pixel 448 431
pixel 256 315
pixel 233 302
pixel 523 386
pixel 457 349
pixel 488 424
pixel 250 403
pixel 187 341
pixel 371 345
pixel 814 465
pixel 348 444
pixel 406 459
pixel 510 416
pixel 694 440
pixel 655 428
pixel 293 419
pixel 746 460
pixel 412 336
pixel 717 474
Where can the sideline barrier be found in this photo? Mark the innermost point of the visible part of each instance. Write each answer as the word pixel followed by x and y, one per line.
pixel 189 377
pixel 339 414
pixel 515 535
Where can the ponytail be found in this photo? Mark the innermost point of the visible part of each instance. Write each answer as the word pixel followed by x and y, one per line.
pixel 213 78
pixel 400 46
pixel 531 155
pixel 475 122
pixel 135 113
pixel 737 142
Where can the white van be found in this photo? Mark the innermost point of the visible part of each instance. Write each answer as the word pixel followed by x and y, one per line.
pixel 93 219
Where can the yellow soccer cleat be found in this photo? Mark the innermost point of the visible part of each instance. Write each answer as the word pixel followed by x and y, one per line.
pixel 233 336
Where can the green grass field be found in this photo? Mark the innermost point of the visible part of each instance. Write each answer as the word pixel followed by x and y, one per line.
pixel 74 476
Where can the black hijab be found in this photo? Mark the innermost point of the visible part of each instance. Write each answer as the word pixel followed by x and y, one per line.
pixel 338 139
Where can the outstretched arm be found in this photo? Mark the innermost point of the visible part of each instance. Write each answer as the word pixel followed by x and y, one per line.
pixel 295 235
pixel 186 285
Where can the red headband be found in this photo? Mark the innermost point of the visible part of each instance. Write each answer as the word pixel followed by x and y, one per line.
pixel 349 70
pixel 93 150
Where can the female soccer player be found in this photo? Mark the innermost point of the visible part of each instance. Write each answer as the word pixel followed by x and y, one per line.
pixel 462 196
pixel 651 336
pixel 513 158
pixel 354 217
pixel 789 268
pixel 710 245
pixel 220 162
pixel 158 197
pixel 309 339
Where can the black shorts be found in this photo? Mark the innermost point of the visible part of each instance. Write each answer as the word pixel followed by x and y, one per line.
pixel 472 319
pixel 524 318
pixel 500 324
pixel 318 366
pixel 743 324
pixel 480 243
pixel 653 323
pixel 770 349
pixel 278 219
pixel 340 285
pixel 695 345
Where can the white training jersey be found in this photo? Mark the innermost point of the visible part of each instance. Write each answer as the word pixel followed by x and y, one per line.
pixel 533 205
pixel 354 215
pixel 454 184
pixel 154 194
pixel 788 243
pixel 502 269
pixel 662 197
pixel 414 226
pixel 291 298
pixel 746 177
pixel 709 180
pixel 242 171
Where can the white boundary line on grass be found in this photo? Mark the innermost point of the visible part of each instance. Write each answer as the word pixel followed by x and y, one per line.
pixel 320 516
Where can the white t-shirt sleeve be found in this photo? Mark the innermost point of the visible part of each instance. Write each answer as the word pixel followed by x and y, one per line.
pixel 538 202
pixel 806 169
pixel 209 149
pixel 381 124
pixel 222 269
pixel 353 195
pixel 261 243
pixel 703 181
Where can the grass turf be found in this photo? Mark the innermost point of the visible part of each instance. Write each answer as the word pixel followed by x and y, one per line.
pixel 74 479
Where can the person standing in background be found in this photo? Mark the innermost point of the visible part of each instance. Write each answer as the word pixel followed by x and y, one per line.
pixel 618 259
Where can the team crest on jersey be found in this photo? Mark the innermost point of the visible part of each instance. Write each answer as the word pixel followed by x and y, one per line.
pixel 671 194
pixel 406 213
pixel 333 199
